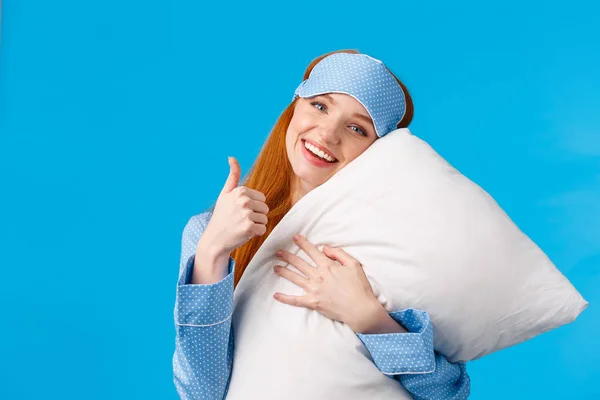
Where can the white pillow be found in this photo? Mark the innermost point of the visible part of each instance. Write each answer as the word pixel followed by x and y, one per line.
pixel 428 238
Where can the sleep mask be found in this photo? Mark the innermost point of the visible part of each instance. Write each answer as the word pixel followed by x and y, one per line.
pixel 366 79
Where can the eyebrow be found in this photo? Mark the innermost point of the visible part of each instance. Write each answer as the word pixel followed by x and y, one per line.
pixel 365 118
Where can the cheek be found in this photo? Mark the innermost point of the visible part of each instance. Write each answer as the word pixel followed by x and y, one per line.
pixel 301 121
pixel 291 139
pixel 352 151
pixel 297 125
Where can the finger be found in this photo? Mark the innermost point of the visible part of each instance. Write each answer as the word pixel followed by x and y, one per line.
pixel 299 263
pixel 297 301
pixel 259 218
pixel 311 250
pixel 341 256
pixel 234 175
pixel 292 276
pixel 258 206
pixel 255 194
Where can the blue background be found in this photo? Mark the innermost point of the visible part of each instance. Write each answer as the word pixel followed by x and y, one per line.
pixel 117 117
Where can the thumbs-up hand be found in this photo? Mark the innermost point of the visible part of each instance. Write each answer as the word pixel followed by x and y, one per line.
pixel 240 213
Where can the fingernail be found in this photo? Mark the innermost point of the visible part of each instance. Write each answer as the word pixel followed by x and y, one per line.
pixel 297 236
pixel 279 253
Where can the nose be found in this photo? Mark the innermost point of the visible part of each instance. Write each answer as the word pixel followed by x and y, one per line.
pixel 330 132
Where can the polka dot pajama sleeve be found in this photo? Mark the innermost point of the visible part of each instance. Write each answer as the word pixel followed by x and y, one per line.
pixel 411 359
pixel 204 341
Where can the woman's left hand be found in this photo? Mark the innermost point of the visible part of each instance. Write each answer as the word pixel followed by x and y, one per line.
pixel 339 291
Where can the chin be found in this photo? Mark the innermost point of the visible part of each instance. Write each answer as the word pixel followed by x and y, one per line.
pixel 312 180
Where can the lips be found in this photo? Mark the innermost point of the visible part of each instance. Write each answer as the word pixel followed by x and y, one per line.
pixel 314 160
pixel 324 149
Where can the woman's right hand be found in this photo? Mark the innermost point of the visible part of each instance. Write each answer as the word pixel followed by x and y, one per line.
pixel 240 213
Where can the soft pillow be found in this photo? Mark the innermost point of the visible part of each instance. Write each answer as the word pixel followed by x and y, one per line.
pixel 428 238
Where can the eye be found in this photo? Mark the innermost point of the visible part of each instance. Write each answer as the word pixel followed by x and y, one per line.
pixel 317 103
pixel 360 130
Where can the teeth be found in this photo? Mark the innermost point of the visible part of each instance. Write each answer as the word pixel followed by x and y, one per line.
pixel 318 152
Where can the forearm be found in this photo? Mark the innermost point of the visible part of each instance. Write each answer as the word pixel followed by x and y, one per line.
pixel 411 359
pixel 449 381
pixel 378 320
pixel 210 262
pixel 204 340
pixel 202 361
pixel 209 269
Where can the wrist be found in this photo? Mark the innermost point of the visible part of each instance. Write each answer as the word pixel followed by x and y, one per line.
pixel 376 320
pixel 363 318
pixel 211 257
pixel 211 249
pixel 210 264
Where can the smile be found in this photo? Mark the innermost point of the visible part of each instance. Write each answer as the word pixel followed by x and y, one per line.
pixel 315 159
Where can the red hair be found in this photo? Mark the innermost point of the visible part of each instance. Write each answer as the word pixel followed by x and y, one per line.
pixel 272 173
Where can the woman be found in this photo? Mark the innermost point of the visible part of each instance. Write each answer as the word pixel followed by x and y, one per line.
pixel 337 112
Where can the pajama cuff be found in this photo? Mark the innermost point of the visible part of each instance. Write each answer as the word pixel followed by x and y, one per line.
pixel 403 353
pixel 203 304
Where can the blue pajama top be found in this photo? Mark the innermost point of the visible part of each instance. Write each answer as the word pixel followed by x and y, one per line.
pixel 204 342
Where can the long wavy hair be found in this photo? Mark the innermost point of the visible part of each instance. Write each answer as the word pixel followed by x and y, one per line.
pixel 272 173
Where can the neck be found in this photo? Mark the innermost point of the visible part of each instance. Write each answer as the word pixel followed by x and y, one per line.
pixel 297 190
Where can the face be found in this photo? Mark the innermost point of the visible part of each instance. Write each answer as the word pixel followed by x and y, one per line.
pixel 336 123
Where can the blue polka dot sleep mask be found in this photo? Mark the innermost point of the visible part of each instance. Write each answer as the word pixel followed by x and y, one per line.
pixel 363 77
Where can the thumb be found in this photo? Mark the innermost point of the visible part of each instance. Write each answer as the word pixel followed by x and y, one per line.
pixel 234 175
